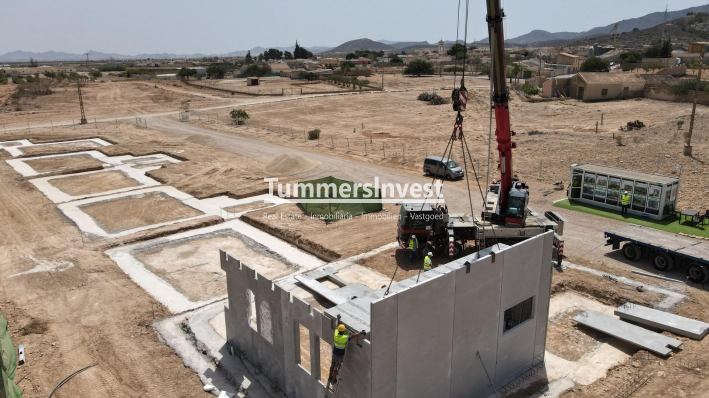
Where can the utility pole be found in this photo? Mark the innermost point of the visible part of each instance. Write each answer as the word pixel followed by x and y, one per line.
pixel 688 141
pixel 81 102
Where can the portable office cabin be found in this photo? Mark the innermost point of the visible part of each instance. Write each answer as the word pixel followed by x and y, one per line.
pixel 651 195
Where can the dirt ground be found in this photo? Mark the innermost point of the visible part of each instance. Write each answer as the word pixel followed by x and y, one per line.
pixel 193 266
pixel 64 163
pixel 335 240
pixel 105 98
pixel 132 212
pixel 91 312
pixel 93 183
pixel 555 133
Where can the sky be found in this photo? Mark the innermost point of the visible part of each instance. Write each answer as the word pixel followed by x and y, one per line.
pixel 221 26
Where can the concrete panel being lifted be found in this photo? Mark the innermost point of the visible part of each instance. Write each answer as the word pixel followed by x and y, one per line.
pixel 632 334
pixel 663 321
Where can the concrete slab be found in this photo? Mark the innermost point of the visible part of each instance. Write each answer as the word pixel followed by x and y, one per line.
pixel 638 336
pixel 56 195
pixel 127 258
pixel 14 148
pixel 21 166
pixel 663 320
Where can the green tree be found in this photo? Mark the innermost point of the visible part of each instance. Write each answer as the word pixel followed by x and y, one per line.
pixel 257 71
pixel 516 70
pixel 457 50
pixel 239 116
pixel 287 55
pixel 272 53
pixel 215 71
pixel 186 73
pixel 248 60
pixel 300 52
pixel 419 67
pixel 95 74
pixel 595 64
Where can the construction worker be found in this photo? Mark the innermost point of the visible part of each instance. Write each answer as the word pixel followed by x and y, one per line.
pixel 338 351
pixel 427 262
pixel 624 203
pixel 412 246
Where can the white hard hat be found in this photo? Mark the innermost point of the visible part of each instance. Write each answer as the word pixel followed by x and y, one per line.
pixel 430 254
pixel 413 236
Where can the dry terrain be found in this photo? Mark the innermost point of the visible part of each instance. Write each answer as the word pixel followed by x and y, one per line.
pixel 93 183
pixel 88 311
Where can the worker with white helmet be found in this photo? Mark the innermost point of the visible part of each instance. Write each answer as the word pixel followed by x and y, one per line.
pixel 427 264
pixel 624 203
pixel 338 351
pixel 412 246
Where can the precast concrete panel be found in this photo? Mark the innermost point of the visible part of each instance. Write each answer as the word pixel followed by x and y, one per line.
pixel 542 313
pixel 477 303
pixel 385 335
pixel 521 275
pixel 425 314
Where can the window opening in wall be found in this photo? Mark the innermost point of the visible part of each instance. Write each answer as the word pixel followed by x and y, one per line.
pixel 325 359
pixel 303 338
pixel 518 314
pixel 251 309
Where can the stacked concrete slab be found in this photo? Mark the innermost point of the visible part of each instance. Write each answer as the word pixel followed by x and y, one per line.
pixel 442 336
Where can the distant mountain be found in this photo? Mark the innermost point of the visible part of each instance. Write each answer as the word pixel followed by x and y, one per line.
pixel 404 44
pixel 626 25
pixel 362 44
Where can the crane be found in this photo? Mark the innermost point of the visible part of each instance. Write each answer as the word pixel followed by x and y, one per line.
pixel 505 215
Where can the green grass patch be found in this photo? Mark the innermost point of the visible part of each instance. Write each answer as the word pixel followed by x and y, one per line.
pixel 669 224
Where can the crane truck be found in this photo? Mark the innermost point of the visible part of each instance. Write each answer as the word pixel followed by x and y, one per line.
pixel 506 217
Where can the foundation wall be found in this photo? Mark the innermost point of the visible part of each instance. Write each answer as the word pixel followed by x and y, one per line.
pixel 274 346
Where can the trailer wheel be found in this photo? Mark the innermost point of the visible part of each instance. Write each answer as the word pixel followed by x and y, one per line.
pixel 662 262
pixel 631 251
pixel 697 273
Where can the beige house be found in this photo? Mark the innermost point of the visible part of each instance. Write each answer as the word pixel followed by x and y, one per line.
pixel 572 60
pixel 330 63
pixel 603 86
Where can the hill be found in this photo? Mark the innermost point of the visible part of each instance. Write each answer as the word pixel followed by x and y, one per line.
pixel 626 25
pixel 362 44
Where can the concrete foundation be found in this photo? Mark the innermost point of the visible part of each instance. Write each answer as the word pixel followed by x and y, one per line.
pixel 14 148
pixel 453 332
pixel 286 257
pixel 21 166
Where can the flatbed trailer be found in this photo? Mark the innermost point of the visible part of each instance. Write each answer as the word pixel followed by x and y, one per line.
pixel 665 249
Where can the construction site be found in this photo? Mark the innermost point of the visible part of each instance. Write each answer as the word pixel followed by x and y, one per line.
pixel 148 247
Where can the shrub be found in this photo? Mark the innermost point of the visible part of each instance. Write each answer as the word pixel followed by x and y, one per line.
pixel 238 116
pixel 419 67
pixel 426 96
pixel 529 90
pixel 314 134
pixel 437 100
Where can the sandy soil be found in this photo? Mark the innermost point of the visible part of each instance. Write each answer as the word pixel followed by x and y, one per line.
pixel 193 267
pixel 64 163
pixel 131 212
pixel 93 183
pixel 559 133
pixel 274 85
pixel 107 97
pixel 340 239
pixel 59 148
